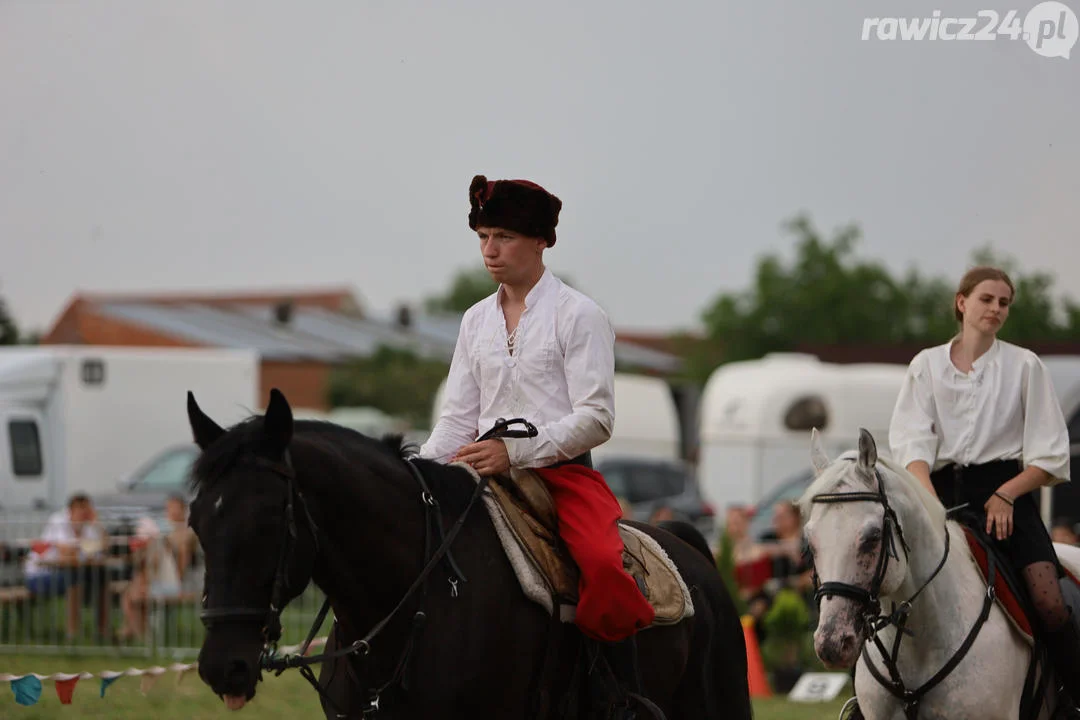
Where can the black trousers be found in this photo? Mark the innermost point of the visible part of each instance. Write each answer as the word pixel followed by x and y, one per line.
pixel 975 484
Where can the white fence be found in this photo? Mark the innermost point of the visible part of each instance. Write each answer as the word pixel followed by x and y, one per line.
pixel 112 597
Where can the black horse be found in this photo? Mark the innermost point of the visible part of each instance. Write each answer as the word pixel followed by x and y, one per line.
pixel 430 620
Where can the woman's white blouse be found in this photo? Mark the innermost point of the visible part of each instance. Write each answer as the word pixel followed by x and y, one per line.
pixel 1004 409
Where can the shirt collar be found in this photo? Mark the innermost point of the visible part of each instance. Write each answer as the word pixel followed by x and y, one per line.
pixel 540 289
pixel 980 364
pixel 986 359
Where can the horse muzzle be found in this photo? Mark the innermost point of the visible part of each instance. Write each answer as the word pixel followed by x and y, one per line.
pixel 839 639
pixel 231 669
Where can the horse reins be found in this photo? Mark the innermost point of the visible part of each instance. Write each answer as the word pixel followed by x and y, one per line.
pixel 271 661
pixel 870 602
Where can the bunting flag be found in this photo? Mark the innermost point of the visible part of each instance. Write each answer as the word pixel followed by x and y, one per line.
pixel 66 688
pixel 27 688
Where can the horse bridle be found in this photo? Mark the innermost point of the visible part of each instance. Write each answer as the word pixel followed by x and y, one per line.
pixel 867 598
pixel 870 602
pixel 271 629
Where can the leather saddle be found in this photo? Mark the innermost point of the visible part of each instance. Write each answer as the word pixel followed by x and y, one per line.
pixel 524 504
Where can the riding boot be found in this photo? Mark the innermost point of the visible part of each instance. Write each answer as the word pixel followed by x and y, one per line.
pixel 1063 646
pixel 622 658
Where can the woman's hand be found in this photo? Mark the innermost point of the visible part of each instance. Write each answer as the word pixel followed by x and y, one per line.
pixel 999 517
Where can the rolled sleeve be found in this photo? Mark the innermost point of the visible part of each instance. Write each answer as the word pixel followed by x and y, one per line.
pixel 1046 436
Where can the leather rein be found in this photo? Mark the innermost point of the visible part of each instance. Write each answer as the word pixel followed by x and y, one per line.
pixel 270 660
pixel 869 601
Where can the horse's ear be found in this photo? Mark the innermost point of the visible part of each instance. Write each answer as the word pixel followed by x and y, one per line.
pixel 867 450
pixel 818 458
pixel 204 430
pixel 278 422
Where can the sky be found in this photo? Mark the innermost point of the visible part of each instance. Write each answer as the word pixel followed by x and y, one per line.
pixel 172 146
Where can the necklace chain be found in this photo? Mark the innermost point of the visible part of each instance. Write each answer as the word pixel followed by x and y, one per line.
pixel 511 339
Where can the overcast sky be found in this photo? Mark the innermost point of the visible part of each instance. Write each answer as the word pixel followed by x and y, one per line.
pixel 150 145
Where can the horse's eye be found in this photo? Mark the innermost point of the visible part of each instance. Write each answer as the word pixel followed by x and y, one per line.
pixel 870 541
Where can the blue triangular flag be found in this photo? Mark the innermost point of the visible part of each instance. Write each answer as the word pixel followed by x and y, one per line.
pixel 106 682
pixel 27 690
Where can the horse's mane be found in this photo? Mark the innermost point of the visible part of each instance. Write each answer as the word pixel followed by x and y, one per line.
pixel 896 476
pixel 452 486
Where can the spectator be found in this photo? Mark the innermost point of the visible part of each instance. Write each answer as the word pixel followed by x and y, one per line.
pixel 63 561
pixel 163 560
pixel 791 567
pixel 753 567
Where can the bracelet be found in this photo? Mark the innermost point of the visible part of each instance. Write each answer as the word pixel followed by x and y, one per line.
pixel 1004 497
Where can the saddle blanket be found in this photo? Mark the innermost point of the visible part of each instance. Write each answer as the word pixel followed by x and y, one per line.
pixel 525 522
pixel 1005 598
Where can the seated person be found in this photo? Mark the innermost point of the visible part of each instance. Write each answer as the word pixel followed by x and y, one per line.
pixel 60 563
pixel 791 566
pixel 162 564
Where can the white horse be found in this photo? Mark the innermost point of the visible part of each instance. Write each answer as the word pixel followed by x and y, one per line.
pixel 876 534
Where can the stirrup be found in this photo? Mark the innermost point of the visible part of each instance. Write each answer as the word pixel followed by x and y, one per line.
pixel 853 711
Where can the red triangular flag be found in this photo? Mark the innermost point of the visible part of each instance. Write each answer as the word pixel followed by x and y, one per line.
pixel 65 689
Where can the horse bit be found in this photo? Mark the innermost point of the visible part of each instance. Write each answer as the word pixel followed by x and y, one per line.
pixel 870 602
pixel 271 630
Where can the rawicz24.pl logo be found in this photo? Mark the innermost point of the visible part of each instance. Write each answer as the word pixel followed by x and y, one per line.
pixel 1050 28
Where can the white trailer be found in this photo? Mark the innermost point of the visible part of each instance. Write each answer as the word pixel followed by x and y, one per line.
pixel 756 417
pixel 81 418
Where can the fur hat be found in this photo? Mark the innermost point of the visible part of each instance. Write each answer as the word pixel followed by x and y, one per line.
pixel 516 205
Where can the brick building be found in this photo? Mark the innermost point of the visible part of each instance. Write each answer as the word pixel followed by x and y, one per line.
pixel 300 336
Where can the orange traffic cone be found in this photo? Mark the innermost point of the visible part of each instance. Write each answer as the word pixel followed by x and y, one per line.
pixel 755 667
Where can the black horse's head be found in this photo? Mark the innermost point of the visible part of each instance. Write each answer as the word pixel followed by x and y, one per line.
pixel 255 531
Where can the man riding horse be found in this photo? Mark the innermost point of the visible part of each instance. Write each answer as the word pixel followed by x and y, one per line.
pixel 538 349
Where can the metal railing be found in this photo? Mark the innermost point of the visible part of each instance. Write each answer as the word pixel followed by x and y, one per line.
pixel 109 597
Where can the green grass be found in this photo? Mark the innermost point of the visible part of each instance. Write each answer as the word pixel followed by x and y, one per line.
pixel 286 697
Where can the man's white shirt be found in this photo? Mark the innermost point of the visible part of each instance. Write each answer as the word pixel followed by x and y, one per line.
pixel 560 377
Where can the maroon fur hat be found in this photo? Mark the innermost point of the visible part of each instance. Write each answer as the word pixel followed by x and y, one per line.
pixel 516 205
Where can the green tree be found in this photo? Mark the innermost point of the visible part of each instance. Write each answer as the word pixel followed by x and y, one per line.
pixel 826 296
pixel 829 296
pixel 9 331
pixel 398 382
pixel 466 289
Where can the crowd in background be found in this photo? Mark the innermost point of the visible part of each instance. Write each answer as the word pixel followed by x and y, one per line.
pixel 77 558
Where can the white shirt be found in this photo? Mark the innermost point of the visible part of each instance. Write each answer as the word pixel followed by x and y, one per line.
pixel 561 377
pixel 1004 409
pixel 59 531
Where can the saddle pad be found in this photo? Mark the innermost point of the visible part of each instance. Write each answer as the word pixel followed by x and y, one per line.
pixel 1005 598
pixel 668 593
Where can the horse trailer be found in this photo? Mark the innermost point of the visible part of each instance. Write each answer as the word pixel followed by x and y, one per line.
pixel 756 417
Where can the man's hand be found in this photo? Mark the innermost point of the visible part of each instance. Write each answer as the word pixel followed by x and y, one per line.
pixel 488 457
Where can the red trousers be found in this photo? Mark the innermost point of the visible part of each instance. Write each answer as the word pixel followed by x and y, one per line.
pixel 610 605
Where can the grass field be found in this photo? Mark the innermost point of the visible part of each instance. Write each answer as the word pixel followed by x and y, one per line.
pixel 288 696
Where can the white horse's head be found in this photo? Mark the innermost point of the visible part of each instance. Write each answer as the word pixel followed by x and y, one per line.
pixel 855 512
